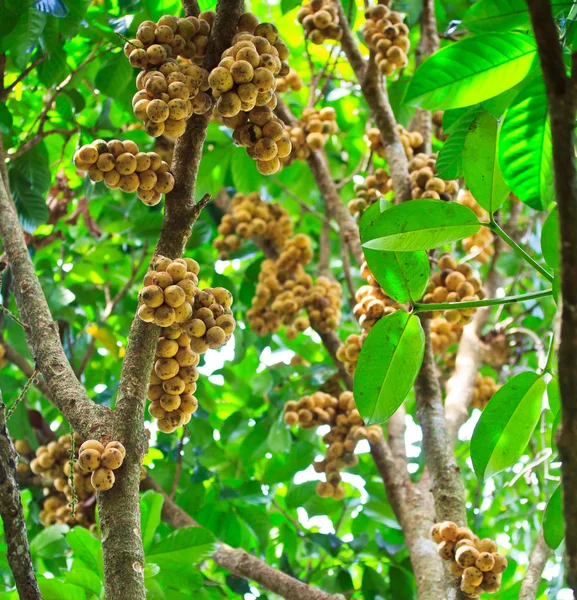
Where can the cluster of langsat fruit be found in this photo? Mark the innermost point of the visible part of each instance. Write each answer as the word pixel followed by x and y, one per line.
pixel 485 388
pixel 263 136
pixel 251 217
pixel 173 381
pixel 387 35
pixel 374 187
pixel 320 20
pixel 281 289
pixel 169 92
pixel 52 462
pixel 411 140
pixel 422 169
pixel 474 561
pixel 323 304
pixel 101 461
pixel 479 245
pixel 186 37
pixel 454 283
pixel 444 334
pixel 312 132
pixel 438 125
pixel 290 81
pixel 347 430
pixel 121 166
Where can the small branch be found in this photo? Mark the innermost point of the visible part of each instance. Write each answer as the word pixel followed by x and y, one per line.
pixel 178 470
pixel 38 138
pixel 191 8
pixel 323 267
pixel 532 580
pixel 12 513
pixel 419 308
pixel 17 359
pixel 6 92
pixel 240 563
pixel 302 203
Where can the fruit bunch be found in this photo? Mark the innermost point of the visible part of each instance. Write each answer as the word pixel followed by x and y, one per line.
pixel 290 81
pixel 169 291
pixel 438 125
pixel 56 510
pixel 479 245
pixel 121 166
pixel 312 132
pixel 170 37
pixel 367 193
pixel 484 389
pixel 101 461
pixel 349 352
pixel 320 20
pixel 454 283
pixel 173 381
pixel 251 217
pixel 347 430
pixel 323 304
pixel 387 35
pixel 444 334
pixel 168 96
pixel 422 169
pixel 474 561
pixel 263 135
pixel 411 140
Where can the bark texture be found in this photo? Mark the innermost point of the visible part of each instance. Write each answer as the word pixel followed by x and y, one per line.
pixel 17 548
pixel 239 562
pixel 539 556
pixel 562 97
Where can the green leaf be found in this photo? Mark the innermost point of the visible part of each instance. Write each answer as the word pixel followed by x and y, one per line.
pixel 288 5
pixel 388 365
pixel 554 396
pixel 550 240
pixel 5 118
pixel 481 165
pixel 29 181
pixel 553 524
pixel 525 149
pixel 279 437
pixel 373 584
pixel 87 549
pixel 55 589
pixel 403 275
pixel 472 70
pixel 114 76
pixel 450 160
pixel 188 545
pixel 50 542
pixel 85 578
pixel 419 225
pixel 150 509
pixel 500 15
pixel 24 37
pixel 506 424
pixel 244 176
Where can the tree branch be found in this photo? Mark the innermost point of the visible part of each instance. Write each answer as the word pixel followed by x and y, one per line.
pixel 12 513
pixel 12 356
pixel 561 94
pixel 42 333
pixel 240 563
pixel 6 91
pixel 37 139
pixel 531 581
pixel 378 102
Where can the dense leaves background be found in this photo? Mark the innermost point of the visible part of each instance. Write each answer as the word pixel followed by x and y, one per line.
pixel 245 476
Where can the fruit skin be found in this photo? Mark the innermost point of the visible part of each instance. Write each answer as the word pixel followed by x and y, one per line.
pixel 103 479
pixel 92 444
pixel 89 459
pixel 111 458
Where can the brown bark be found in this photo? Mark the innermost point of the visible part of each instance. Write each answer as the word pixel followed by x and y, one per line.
pixel 239 562
pixel 562 97
pixel 12 513
pixel 539 556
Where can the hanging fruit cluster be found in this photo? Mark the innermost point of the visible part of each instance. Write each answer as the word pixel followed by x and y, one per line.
pixel 474 561
pixel 291 81
pixel 374 187
pixel 444 334
pixel 411 140
pixel 251 217
pixel 485 388
pixel 320 20
pixel 173 381
pixel 438 125
pixel 454 283
pixel 323 304
pixel 479 245
pixel 312 132
pixel 387 35
pixel 426 184
pixel 347 430
pixel 101 461
pixel 121 166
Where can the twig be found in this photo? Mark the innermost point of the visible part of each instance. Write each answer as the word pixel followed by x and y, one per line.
pixel 6 92
pixel 178 469
pixel 532 580
pixel 21 395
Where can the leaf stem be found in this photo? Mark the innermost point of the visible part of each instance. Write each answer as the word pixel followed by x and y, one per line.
pixel 497 230
pixel 421 307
